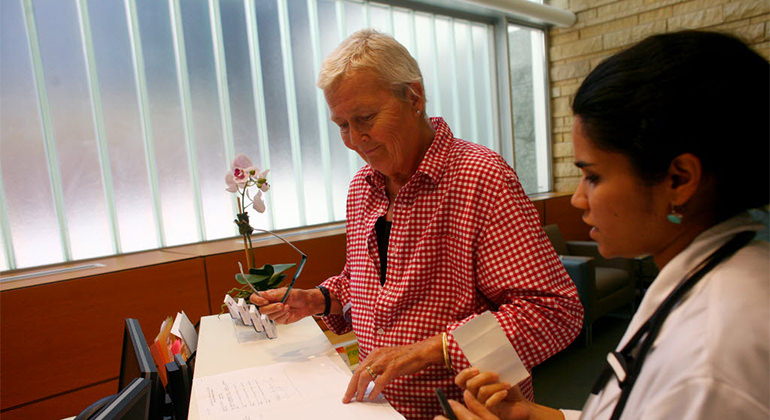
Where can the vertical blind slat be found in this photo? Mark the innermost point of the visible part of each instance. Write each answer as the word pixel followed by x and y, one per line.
pixel 291 106
pixel 323 119
pixel 137 56
pixel 455 83
pixel 434 76
pixel 472 91
pixel 98 121
pixel 44 108
pixel 5 227
pixel 223 92
pixel 339 10
pixel 257 86
pixel 185 99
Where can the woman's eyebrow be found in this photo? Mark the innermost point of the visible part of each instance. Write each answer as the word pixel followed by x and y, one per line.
pixel 581 164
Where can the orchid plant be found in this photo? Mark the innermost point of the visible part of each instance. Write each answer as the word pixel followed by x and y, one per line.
pixel 242 179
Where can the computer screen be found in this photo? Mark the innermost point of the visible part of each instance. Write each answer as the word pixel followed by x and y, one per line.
pixel 131 403
pixel 136 362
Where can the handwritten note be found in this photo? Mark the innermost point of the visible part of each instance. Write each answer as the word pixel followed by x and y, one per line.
pixel 308 389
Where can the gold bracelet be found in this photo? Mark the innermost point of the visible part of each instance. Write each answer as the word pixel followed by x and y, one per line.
pixel 447 360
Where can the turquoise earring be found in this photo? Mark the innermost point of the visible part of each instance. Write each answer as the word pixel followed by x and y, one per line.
pixel 674 216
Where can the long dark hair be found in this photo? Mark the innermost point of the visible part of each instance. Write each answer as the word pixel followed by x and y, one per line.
pixel 695 92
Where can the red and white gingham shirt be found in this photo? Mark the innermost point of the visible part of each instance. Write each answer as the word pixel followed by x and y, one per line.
pixel 464 239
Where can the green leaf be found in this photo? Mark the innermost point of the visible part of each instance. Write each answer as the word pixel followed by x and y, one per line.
pixel 266 277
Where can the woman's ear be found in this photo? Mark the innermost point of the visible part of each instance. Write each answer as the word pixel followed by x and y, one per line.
pixel 416 96
pixel 685 175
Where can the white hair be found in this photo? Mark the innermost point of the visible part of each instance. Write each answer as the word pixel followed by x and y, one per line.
pixel 370 49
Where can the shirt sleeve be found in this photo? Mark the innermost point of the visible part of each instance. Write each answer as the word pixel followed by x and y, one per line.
pixel 518 271
pixel 339 286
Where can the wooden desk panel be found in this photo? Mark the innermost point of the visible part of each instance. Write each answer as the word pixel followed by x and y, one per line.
pixel 67 335
pixel 62 406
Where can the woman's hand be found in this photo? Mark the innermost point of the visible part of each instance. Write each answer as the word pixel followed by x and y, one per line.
pixel 387 363
pixel 487 398
pixel 474 411
pixel 299 304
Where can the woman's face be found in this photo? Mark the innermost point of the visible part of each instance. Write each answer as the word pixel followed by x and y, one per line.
pixel 627 217
pixel 376 124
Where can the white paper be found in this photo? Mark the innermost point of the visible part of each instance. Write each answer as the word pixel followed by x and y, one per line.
pixel 487 347
pixel 184 329
pixel 311 389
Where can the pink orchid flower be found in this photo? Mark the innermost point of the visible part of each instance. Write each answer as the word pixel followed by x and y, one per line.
pixel 259 204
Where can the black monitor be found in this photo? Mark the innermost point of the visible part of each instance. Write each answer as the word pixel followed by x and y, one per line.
pixel 131 403
pixel 136 362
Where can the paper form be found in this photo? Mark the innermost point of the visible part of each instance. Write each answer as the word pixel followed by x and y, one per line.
pixel 487 347
pixel 307 389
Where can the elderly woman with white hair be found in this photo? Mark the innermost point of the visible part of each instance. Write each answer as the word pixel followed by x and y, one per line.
pixel 438 231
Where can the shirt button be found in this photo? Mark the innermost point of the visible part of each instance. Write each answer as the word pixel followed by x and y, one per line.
pixel 380 331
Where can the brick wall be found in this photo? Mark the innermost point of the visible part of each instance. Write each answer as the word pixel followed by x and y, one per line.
pixel 604 27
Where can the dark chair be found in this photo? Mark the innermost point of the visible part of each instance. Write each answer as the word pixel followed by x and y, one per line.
pixel 604 285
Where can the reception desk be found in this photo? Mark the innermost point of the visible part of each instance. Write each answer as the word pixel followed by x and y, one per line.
pixel 226 347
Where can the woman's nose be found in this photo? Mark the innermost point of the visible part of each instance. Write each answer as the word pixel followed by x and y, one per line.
pixel 578 199
pixel 356 136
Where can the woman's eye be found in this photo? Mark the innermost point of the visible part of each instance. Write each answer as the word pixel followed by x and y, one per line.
pixel 592 178
pixel 367 117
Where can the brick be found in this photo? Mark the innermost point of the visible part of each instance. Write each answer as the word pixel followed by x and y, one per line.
pixel 561 106
pixel 736 10
pixel 579 5
pixel 695 20
pixel 563 150
pixel 620 9
pixel 690 6
pixel 618 39
pixel 569 90
pixel 748 33
pixel 584 17
pixel 564 37
pixel 613 25
pixel 568 184
pixel 643 31
pixel 577 48
pixel 662 13
pixel 659 3
pixel 575 69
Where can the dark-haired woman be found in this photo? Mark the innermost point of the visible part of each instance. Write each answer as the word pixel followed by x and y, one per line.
pixel 672 138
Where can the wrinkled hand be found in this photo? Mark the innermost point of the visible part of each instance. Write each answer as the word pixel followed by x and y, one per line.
pixel 299 304
pixel 389 363
pixel 488 398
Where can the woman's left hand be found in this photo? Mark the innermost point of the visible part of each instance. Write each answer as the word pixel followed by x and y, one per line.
pixel 387 363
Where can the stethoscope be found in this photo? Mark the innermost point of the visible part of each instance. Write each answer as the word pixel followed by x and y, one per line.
pixel 626 366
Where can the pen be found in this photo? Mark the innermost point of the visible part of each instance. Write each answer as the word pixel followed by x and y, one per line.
pixel 445 407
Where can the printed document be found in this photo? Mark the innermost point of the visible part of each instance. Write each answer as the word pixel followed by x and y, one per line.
pixel 306 389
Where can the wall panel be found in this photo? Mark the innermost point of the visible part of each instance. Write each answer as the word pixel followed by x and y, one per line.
pixel 67 335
